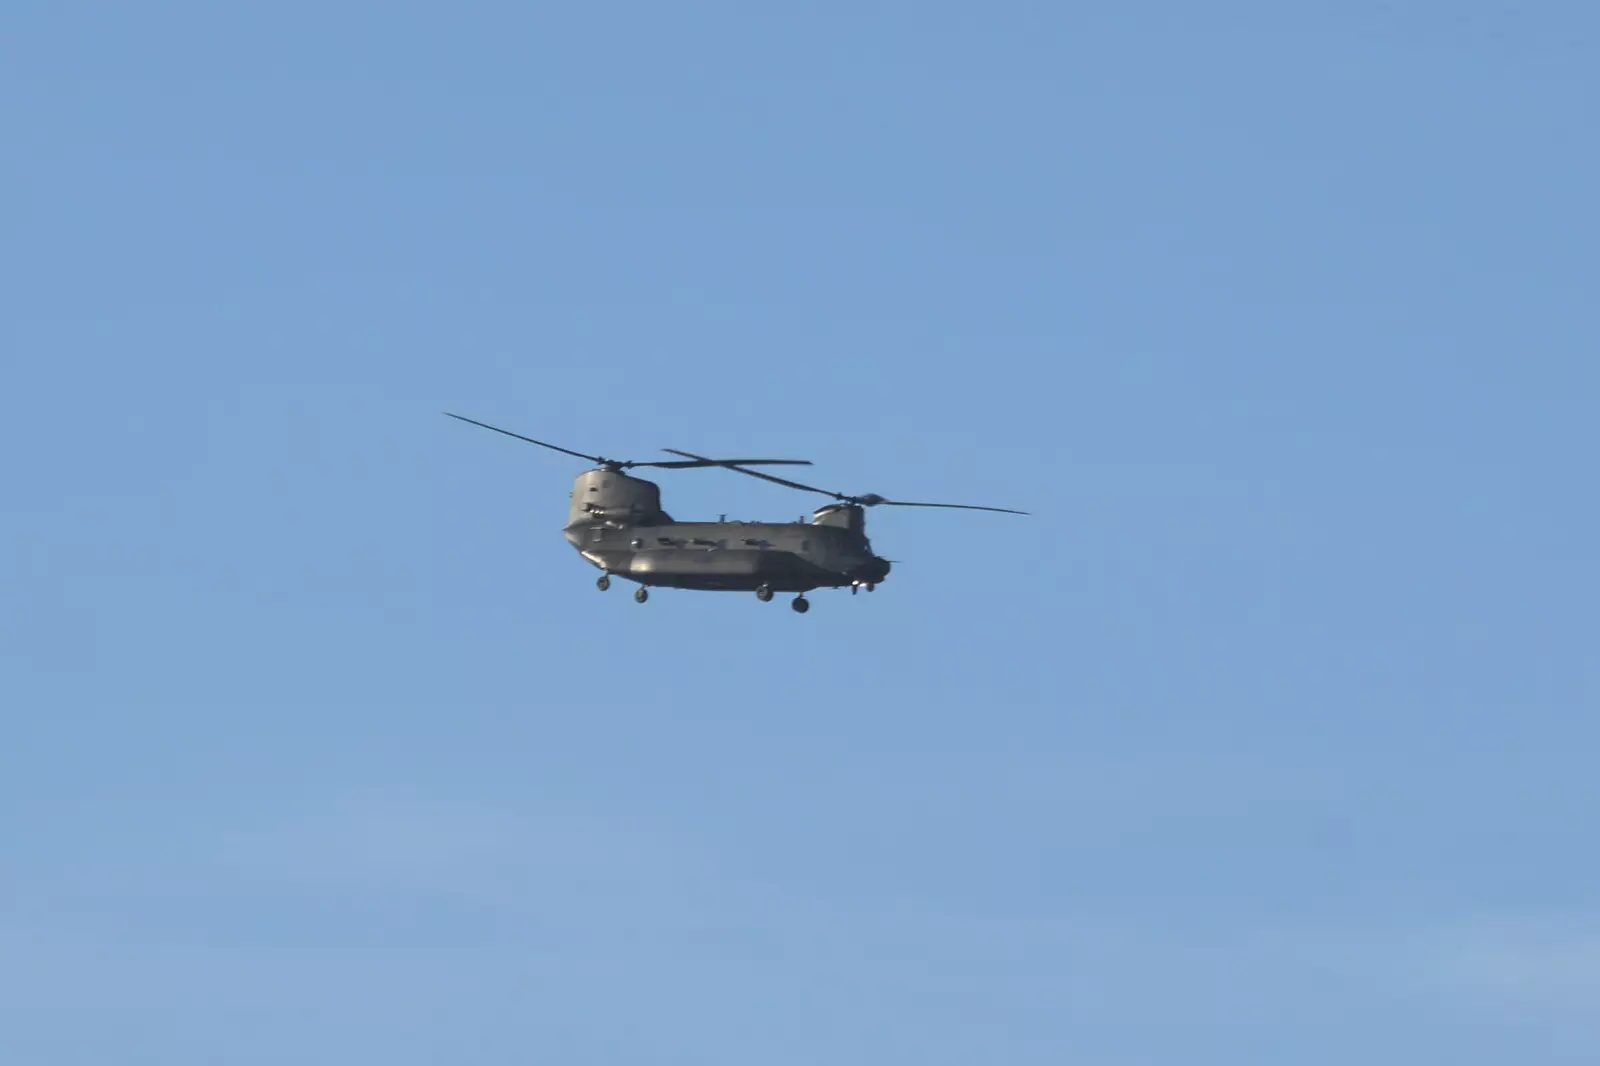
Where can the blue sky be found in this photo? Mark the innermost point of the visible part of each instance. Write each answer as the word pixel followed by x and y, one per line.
pixel 1268 737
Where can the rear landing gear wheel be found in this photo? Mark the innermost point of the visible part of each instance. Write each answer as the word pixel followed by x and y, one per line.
pixel 604 583
pixel 764 593
pixel 641 594
pixel 801 604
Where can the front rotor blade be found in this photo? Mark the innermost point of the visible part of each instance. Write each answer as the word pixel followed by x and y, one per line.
pixel 763 477
pixel 956 506
pixel 530 440
pixel 686 464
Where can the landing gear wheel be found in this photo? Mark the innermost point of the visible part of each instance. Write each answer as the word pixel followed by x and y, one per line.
pixel 604 582
pixel 641 594
pixel 764 593
pixel 801 604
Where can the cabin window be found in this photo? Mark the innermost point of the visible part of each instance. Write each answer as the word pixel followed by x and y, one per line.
pixel 597 535
pixel 637 543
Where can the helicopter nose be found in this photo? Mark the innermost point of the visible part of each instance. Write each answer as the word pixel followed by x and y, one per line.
pixel 876 570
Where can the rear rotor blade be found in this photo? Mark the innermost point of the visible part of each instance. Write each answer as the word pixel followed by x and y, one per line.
pixel 757 473
pixel 530 440
pixel 871 500
pixel 956 506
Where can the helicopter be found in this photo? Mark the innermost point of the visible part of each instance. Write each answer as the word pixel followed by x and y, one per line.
pixel 615 521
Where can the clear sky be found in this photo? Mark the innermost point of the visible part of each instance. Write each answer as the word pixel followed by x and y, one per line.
pixel 1270 737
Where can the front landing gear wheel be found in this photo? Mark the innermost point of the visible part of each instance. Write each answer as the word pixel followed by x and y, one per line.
pixel 764 593
pixel 604 583
pixel 801 604
pixel 641 594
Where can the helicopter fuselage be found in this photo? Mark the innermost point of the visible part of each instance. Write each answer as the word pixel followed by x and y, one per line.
pixel 730 555
pixel 617 524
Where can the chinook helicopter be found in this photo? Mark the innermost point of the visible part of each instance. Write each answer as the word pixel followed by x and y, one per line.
pixel 615 521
